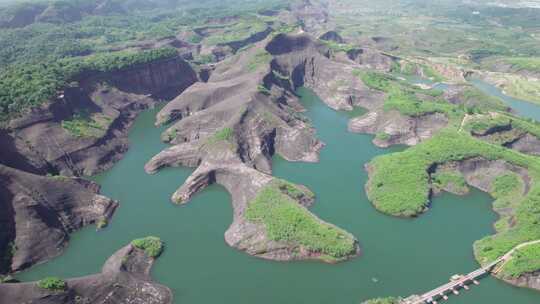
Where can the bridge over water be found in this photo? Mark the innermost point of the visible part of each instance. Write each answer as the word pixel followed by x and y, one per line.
pixel 461 281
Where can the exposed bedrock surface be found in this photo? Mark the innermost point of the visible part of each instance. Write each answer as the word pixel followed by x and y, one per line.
pixel 124 278
pixel 313 15
pixel 398 128
pixel 372 59
pixel 526 143
pixel 39 212
pixel 307 63
pixel 84 131
pixel 481 173
pixel 230 127
pixel 332 36
pixel 505 130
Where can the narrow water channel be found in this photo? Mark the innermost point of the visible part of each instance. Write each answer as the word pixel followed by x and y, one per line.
pixel 522 107
pixel 400 256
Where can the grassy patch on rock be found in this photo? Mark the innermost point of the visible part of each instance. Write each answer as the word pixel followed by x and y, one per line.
pixel 501 128
pixel 285 220
pixel 224 134
pixel 240 30
pixel 476 101
pixel 410 105
pixel 524 260
pixel 450 180
pixel 260 58
pixel 83 124
pixel 382 136
pixel 481 124
pixel 399 185
pixel 152 246
pixel 406 98
pixel 52 283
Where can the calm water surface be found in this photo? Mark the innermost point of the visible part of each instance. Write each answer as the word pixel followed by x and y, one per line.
pixel 400 256
pixel 522 107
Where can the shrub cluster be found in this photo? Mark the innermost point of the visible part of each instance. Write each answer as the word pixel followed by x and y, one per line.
pixel 152 246
pixel 287 221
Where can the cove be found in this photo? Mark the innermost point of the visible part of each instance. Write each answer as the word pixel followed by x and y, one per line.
pixel 522 107
pixel 400 256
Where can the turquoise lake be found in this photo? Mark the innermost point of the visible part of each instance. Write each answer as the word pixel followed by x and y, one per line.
pixel 400 256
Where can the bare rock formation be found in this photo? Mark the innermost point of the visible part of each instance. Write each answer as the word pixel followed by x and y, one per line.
pixel 125 278
pixel 372 59
pixel 230 126
pixel 392 128
pixel 107 103
pixel 39 212
pixel 332 36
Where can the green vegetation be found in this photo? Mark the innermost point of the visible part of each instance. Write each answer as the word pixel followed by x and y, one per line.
pixel 279 75
pixel 377 81
pixel 225 134
pixel 529 126
pixel 388 83
pixel 430 73
pixel 504 185
pixel 263 90
pixel 52 283
pixel 382 136
pixel 260 58
pixel 31 85
pixel 399 185
pixel 338 47
pixel 449 179
pixel 205 59
pixel 524 260
pixel 476 101
pixel 389 300
pixel 102 223
pixel 413 68
pixel 7 279
pixel 286 220
pixel 525 63
pixel 82 124
pixel 481 124
pixel 410 105
pixel 152 246
pixel 501 128
pixel 237 31
pixel 285 29
pixel 516 85
pixel 39 60
pixel 407 99
pixel 171 134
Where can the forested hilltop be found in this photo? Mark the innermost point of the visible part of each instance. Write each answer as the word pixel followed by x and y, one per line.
pixel 45 45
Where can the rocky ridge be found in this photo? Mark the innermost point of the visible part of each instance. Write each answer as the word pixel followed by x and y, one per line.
pixel 41 211
pixel 110 101
pixel 124 278
pixel 230 127
pixel 40 153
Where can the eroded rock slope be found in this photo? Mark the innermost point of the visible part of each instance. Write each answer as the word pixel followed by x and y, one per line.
pixel 230 127
pixel 39 212
pixel 84 131
pixel 125 278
